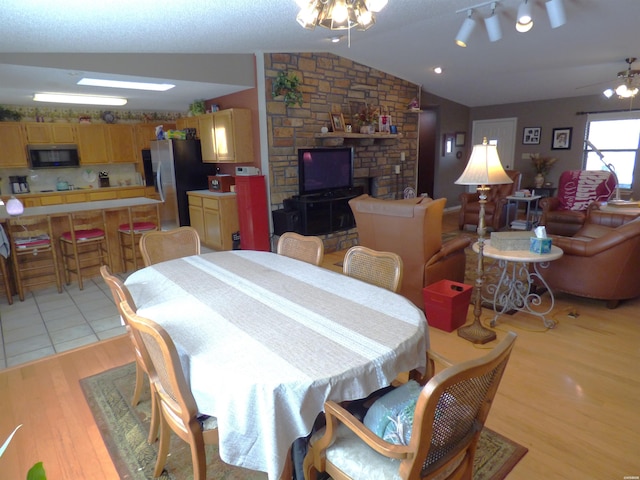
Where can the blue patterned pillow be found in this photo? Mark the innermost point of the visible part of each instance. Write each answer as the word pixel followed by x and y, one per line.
pixel 391 416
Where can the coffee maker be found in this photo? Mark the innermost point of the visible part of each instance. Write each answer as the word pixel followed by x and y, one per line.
pixel 19 184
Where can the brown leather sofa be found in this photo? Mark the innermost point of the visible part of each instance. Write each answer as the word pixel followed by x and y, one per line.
pixel 601 260
pixel 565 213
pixel 495 215
pixel 412 228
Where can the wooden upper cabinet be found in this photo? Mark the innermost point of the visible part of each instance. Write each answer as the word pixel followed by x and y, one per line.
pixel 93 144
pixel 189 122
pixel 122 144
pixel 227 136
pixel 145 132
pixel 43 133
pixel 13 152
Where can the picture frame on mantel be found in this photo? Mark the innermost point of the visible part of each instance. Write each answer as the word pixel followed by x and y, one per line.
pixel 531 135
pixel 337 122
pixel 561 138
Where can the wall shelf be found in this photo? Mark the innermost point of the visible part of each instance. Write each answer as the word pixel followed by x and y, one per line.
pixel 339 138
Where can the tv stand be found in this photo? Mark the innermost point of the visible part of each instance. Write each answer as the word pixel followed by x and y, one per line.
pixel 324 213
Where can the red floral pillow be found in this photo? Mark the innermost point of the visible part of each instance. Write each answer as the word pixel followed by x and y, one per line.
pixel 578 188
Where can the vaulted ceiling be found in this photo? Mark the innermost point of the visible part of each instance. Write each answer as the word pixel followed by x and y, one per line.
pixel 207 47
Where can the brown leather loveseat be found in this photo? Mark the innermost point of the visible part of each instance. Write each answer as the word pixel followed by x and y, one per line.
pixel 412 228
pixel 601 260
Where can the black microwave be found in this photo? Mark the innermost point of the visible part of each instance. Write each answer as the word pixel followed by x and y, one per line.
pixel 53 156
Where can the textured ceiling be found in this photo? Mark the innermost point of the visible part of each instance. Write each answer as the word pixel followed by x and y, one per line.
pixel 409 38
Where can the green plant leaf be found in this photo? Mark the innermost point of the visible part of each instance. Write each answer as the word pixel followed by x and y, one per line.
pixel 37 472
pixel 8 440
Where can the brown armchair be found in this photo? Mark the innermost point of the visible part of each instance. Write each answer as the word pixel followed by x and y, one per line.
pixel 412 228
pixel 601 260
pixel 577 189
pixel 495 208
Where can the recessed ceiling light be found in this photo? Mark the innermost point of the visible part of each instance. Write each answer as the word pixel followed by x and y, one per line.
pixel 437 70
pixel 335 38
pixel 79 99
pixel 98 82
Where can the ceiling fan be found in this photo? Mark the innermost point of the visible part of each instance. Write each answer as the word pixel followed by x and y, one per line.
pixel 626 88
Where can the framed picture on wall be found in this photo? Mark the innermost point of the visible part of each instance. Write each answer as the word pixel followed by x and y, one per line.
pixel 561 138
pixel 531 135
pixel 337 122
pixel 460 139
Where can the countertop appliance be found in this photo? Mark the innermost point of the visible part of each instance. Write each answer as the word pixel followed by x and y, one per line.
pixel 53 156
pixel 19 184
pixel 178 168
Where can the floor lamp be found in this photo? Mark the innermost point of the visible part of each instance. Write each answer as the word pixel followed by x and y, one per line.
pixel 484 168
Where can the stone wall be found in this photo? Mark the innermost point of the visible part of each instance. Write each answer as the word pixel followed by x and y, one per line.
pixel 332 84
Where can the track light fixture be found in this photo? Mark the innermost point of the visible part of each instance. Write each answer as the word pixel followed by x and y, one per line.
pixel 525 20
pixel 466 29
pixel 556 13
pixel 492 23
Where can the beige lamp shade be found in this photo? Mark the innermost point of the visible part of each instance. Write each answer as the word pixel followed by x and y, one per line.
pixel 484 167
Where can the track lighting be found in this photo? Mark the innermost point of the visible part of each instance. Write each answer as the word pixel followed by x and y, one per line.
pixel 525 20
pixel 492 23
pixel 466 29
pixel 556 13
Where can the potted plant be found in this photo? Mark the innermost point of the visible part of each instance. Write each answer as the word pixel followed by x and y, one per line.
pixel 197 107
pixel 367 119
pixel 287 84
pixel 6 114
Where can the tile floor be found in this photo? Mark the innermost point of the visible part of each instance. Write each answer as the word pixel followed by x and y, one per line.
pixel 49 322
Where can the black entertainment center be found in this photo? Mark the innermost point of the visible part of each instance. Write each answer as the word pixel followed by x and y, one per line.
pixel 326 185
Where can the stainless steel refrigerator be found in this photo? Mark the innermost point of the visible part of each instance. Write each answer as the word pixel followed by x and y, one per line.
pixel 178 168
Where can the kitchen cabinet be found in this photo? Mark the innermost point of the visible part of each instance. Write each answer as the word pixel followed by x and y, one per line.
pixel 226 136
pixel 50 133
pixel 13 153
pixel 145 132
pixel 122 143
pixel 215 218
pixel 93 144
pixel 189 122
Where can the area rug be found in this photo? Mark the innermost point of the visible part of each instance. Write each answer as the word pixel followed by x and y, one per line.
pixel 125 428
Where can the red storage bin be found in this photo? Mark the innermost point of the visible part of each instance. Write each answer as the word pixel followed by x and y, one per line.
pixel 446 304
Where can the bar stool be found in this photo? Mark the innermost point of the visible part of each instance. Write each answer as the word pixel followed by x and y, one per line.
pixel 33 252
pixel 85 245
pixel 141 219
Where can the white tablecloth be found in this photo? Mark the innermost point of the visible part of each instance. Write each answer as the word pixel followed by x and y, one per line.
pixel 269 339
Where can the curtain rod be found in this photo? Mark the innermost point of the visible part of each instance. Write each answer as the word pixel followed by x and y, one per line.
pixel 610 111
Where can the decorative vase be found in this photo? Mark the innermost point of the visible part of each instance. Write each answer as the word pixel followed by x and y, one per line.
pixel 368 129
pixel 538 180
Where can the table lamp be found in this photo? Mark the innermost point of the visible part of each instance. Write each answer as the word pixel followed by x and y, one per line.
pixel 484 168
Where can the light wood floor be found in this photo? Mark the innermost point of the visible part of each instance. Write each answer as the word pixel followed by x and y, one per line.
pixel 570 395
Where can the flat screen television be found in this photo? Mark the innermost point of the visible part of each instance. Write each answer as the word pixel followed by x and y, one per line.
pixel 323 170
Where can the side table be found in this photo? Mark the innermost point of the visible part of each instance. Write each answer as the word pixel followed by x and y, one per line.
pixel 513 288
pixel 532 214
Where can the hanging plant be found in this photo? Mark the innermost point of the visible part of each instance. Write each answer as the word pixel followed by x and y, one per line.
pixel 287 84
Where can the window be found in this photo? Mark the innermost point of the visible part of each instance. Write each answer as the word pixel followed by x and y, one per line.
pixel 617 136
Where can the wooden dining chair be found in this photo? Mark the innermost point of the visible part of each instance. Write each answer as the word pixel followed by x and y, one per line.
pixel 178 408
pixel 309 249
pixel 121 294
pixel 85 245
pixel 383 269
pixel 410 433
pixel 140 219
pixel 33 252
pixel 159 246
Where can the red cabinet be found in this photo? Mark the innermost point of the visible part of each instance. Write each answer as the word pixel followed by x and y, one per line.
pixel 253 214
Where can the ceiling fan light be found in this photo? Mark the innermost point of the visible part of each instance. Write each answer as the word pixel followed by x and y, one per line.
pixel 493 27
pixel 556 13
pixel 608 92
pixel 308 15
pixel 376 5
pixel 465 30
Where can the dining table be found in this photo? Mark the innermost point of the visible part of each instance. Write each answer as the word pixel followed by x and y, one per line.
pixel 265 340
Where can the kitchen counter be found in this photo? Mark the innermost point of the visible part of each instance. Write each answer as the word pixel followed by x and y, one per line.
pixel 63 209
pixel 209 193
